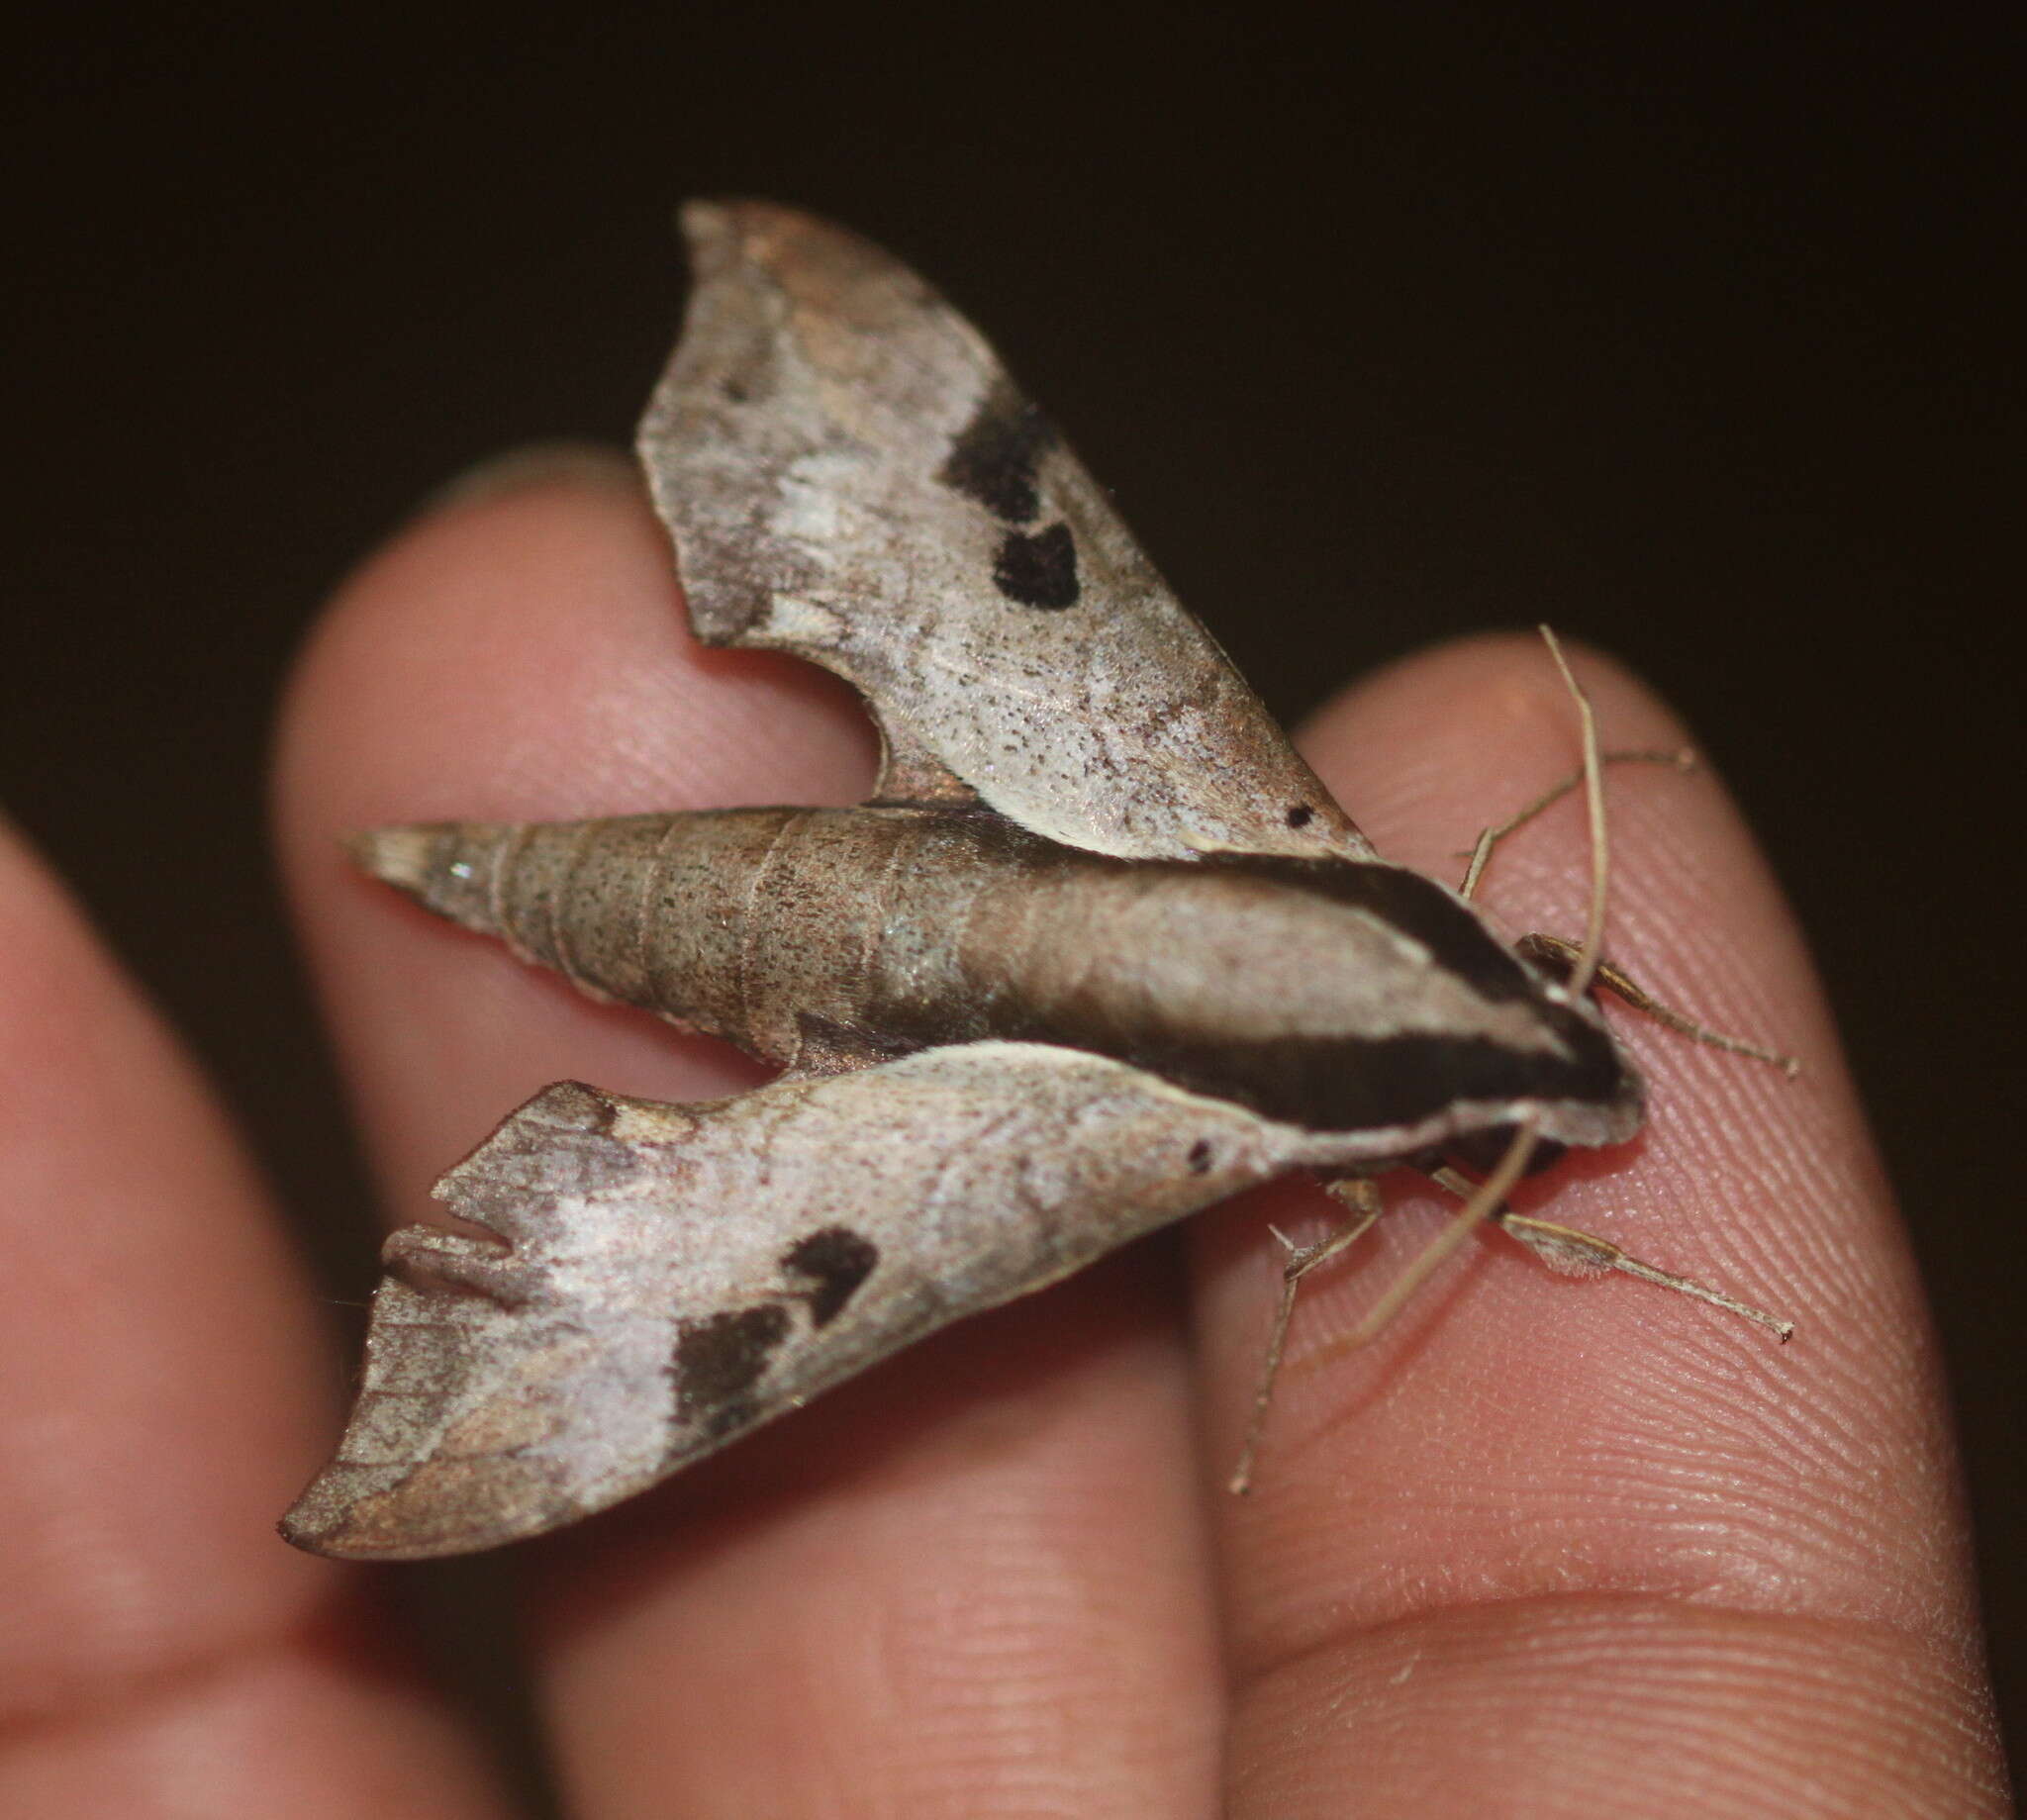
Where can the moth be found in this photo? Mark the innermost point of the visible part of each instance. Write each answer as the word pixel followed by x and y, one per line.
pixel 1099 951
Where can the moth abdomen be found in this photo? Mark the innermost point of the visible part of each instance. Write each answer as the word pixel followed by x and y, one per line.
pixel 682 914
pixel 598 901
pixel 449 866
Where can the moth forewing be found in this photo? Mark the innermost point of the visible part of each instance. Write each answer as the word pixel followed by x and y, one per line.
pixel 852 475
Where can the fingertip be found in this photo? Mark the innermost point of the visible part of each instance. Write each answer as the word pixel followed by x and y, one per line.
pixel 1762 1186
pixel 520 650
pixel 528 467
pixel 1439 742
pixel 517 653
pixel 1444 743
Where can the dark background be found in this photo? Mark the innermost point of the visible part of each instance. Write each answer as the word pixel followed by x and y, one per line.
pixel 1685 333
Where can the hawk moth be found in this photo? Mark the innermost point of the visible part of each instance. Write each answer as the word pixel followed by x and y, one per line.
pixel 1099 951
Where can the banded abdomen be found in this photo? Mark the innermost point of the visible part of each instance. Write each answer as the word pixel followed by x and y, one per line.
pixel 727 921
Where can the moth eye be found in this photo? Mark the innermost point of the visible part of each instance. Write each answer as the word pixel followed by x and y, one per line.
pixel 1301 816
pixel 1200 1156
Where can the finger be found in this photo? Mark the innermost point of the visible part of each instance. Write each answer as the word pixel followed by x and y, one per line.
pixel 920 1590
pixel 446 684
pixel 1580 1545
pixel 161 1652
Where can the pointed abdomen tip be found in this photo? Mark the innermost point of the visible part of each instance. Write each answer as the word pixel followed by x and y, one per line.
pixel 452 867
pixel 403 856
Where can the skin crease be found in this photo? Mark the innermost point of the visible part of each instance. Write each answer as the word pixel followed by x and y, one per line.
pixel 1552 1547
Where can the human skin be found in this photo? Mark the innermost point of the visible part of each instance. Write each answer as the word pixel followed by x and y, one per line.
pixel 1550 1547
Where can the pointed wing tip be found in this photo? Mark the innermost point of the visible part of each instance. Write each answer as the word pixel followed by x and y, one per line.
pixel 709 223
pixel 346 1514
pixel 346 1542
pixel 704 221
pixel 325 1521
pixel 334 1541
pixel 725 234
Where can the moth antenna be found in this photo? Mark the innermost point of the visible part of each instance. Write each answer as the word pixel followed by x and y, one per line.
pixel 1593 799
pixel 1555 950
pixel 1677 758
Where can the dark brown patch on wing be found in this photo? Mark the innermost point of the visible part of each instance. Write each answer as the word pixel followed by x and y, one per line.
pixel 720 1357
pixel 1038 570
pixel 836 1260
pixel 993 457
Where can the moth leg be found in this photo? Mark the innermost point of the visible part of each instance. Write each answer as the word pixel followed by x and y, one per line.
pixel 1680 759
pixel 1564 1248
pixel 1362 1196
pixel 1481 1201
pixel 1560 954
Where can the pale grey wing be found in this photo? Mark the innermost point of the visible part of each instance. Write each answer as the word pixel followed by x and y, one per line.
pixel 850 475
pixel 656 1279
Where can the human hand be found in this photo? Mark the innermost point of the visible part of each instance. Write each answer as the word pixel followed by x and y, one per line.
pixel 1549 1547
